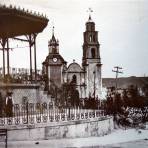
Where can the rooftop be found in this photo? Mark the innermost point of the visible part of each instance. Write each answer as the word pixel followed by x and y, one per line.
pixel 16 22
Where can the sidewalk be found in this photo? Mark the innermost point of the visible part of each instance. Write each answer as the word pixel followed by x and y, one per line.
pixel 116 137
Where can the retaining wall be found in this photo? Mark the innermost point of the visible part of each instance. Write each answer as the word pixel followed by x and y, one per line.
pixel 67 129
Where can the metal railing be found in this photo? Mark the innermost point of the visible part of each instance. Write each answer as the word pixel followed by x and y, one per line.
pixel 44 113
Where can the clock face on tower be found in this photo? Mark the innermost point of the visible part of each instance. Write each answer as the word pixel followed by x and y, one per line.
pixel 55 60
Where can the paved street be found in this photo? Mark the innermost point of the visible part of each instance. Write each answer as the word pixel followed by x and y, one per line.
pixel 130 138
pixel 131 144
pixel 48 144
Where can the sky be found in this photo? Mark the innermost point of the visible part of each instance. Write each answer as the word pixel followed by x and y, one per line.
pixel 122 27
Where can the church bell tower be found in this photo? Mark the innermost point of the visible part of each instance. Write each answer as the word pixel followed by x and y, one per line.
pixel 54 63
pixel 91 60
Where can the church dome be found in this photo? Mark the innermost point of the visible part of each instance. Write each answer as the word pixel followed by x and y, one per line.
pixel 74 67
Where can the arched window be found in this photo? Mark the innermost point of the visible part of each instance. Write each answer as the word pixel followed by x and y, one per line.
pixel 90 38
pixel 93 53
pixel 74 79
pixel 92 28
pixel 54 50
pixel 94 38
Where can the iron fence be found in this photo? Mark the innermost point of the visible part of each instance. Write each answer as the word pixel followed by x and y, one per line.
pixel 30 113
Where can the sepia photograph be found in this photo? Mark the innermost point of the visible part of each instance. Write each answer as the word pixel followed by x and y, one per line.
pixel 73 74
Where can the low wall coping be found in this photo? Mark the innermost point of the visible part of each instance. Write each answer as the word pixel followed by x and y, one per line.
pixel 54 124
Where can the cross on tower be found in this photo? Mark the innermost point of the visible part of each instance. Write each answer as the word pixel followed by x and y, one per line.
pixel 90 11
pixel 52 27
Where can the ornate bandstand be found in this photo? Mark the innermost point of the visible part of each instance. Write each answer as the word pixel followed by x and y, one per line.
pixel 23 26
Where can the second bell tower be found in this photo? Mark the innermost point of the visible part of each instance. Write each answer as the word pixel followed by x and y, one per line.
pixel 91 60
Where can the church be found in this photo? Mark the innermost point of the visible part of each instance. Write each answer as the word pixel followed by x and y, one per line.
pixel 87 76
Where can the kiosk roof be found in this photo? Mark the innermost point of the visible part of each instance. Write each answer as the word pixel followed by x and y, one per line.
pixel 17 22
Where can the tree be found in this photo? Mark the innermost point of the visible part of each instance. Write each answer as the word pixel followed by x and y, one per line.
pixel 117 103
pixel 145 90
pixel 70 94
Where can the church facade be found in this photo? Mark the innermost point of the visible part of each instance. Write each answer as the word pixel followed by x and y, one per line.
pixel 87 76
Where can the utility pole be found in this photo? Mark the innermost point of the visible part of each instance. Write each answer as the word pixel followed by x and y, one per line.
pixel 117 71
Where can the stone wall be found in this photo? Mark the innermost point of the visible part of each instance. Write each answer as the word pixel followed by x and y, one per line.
pixel 30 91
pixel 80 129
pixel 71 129
pixel 19 91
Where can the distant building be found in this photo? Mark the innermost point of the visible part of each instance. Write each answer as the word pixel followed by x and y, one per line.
pixel 86 77
pixel 125 83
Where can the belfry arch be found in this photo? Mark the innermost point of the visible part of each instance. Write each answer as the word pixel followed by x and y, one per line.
pixel 93 53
